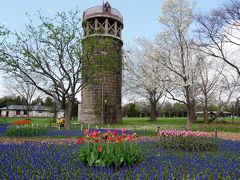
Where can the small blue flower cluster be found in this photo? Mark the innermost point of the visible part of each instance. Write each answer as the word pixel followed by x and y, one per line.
pixel 64 133
pixel 76 133
pixel 55 161
pixel 61 133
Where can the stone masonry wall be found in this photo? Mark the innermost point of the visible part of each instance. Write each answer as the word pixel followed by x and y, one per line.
pixel 101 99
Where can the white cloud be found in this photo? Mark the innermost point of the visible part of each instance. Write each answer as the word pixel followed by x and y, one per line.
pixel 4 23
pixel 50 11
pixel 3 91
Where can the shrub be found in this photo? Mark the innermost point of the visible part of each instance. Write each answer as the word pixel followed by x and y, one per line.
pixel 25 131
pixel 113 154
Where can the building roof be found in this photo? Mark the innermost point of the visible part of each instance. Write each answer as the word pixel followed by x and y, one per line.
pixel 214 112
pixel 21 107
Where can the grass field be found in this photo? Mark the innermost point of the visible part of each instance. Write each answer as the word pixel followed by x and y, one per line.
pixel 225 125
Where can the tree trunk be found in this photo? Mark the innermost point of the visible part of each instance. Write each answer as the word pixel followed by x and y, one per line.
pixel 28 111
pixel 205 113
pixel 67 115
pixel 55 115
pixel 205 108
pixel 189 123
pixel 191 115
pixel 153 113
pixel 217 115
pixel 192 111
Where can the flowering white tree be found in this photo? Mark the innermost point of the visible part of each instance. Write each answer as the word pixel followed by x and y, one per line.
pixel 3 32
pixel 142 76
pixel 174 53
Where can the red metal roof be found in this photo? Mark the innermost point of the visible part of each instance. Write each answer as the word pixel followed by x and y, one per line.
pixel 98 11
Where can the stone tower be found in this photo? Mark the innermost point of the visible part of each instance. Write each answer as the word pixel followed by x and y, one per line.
pixel 102 43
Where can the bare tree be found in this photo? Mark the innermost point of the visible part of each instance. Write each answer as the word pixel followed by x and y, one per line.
pixel 173 52
pixel 25 90
pixel 218 33
pixel 52 53
pixel 208 82
pixel 228 89
pixel 142 76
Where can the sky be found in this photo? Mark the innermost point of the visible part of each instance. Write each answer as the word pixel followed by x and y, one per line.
pixel 140 16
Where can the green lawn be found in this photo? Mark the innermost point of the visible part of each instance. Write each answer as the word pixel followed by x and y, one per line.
pixel 144 123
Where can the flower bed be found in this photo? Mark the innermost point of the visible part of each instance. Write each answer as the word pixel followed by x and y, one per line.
pixel 187 141
pixel 184 133
pixel 53 161
pixel 109 148
pixel 21 122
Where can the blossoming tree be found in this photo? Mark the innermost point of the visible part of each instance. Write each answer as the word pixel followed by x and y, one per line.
pixel 173 51
pixel 142 76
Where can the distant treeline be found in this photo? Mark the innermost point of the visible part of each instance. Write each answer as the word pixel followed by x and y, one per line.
pixel 168 109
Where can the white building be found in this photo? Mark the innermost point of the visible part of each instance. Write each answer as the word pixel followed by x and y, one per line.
pixel 20 111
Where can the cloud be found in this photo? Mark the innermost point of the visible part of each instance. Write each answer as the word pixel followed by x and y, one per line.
pixel 4 23
pixel 3 91
pixel 50 11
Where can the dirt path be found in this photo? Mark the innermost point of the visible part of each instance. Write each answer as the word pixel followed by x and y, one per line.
pixel 229 136
pixel 223 135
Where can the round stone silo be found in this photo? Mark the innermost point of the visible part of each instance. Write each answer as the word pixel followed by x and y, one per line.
pixel 102 46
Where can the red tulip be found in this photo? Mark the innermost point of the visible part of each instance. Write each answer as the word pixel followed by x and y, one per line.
pixel 80 140
pixel 109 138
pixel 115 132
pixel 85 131
pixel 129 138
pixel 123 130
pixel 108 131
pixel 99 148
